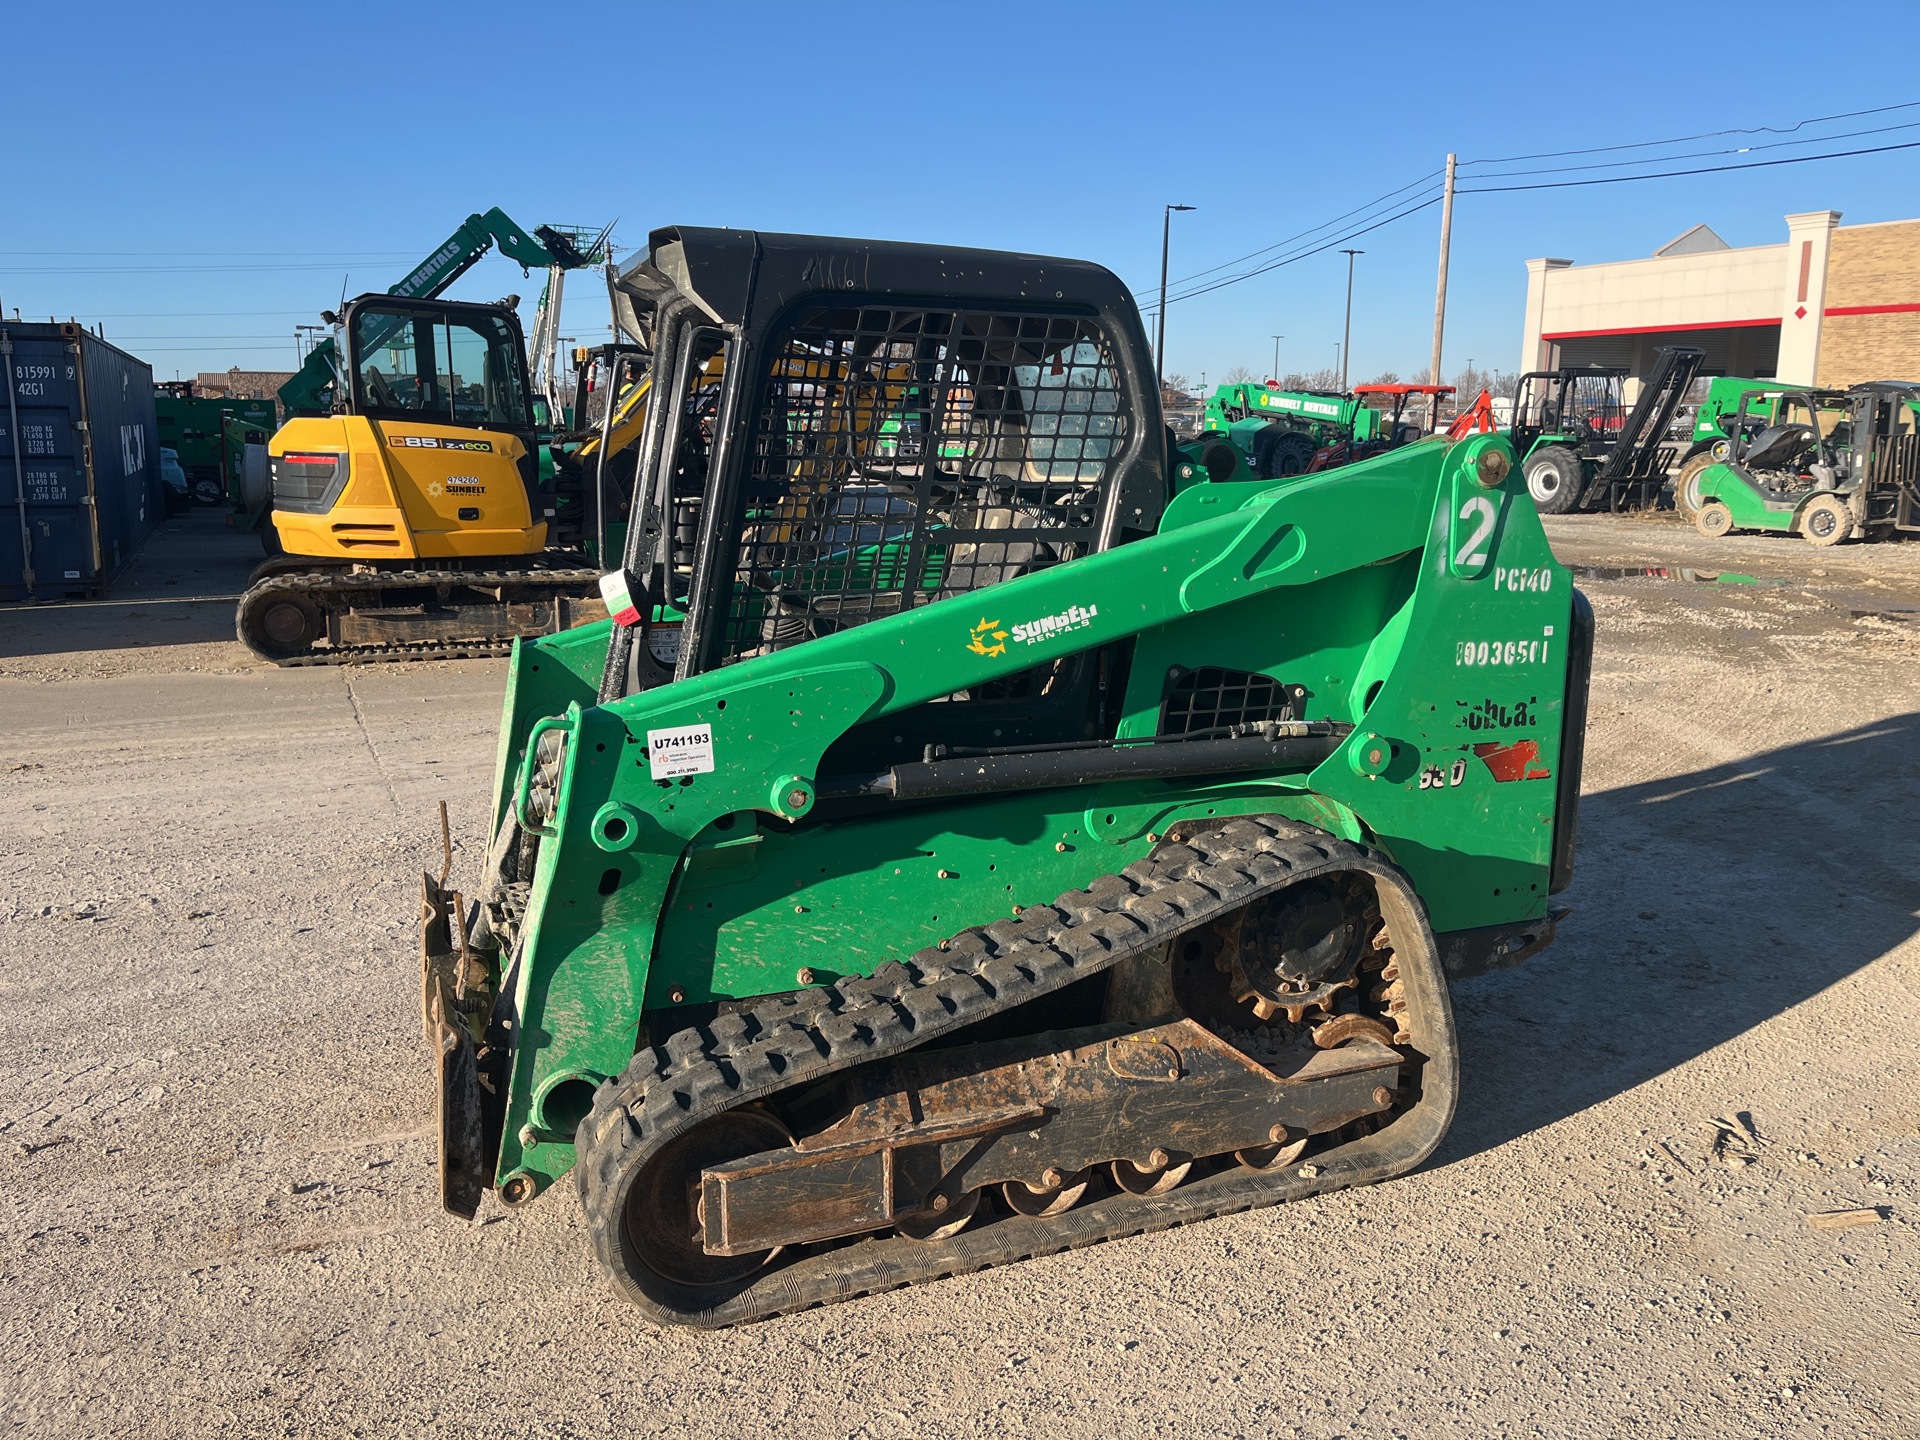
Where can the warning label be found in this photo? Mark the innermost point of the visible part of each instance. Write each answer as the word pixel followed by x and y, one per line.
pixel 684 750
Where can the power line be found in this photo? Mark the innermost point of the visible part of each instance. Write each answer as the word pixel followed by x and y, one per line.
pixel 236 254
pixel 187 314
pixel 162 269
pixel 1291 239
pixel 197 269
pixel 1670 174
pixel 1704 135
pixel 1301 255
pixel 1697 154
pixel 224 349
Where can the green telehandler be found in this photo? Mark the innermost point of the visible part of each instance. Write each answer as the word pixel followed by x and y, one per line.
pixel 1278 432
pixel 953 853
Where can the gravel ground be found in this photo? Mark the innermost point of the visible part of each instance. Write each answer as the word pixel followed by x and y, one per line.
pixel 216 1171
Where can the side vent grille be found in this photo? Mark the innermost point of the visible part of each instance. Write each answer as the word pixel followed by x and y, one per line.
pixel 1213 698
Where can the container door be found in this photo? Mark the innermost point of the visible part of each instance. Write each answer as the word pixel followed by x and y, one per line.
pixel 59 541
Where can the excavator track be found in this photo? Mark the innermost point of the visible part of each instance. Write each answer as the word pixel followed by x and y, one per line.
pixel 738 1063
pixel 328 600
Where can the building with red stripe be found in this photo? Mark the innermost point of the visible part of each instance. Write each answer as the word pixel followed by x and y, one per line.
pixel 1832 305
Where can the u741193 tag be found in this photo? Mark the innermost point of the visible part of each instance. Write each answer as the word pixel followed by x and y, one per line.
pixel 683 750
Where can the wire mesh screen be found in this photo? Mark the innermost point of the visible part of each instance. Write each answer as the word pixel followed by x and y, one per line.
pixel 903 455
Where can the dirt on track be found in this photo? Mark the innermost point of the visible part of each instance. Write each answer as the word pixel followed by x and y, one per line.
pixel 217 1210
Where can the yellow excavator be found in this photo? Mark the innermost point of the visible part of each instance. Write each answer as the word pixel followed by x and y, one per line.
pixel 410 518
pixel 413 517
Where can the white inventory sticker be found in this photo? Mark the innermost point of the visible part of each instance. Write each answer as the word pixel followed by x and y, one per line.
pixel 684 750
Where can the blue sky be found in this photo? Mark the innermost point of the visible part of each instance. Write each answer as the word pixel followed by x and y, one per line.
pixel 200 179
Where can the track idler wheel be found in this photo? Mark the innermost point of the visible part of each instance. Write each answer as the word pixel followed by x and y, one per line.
pixel 278 624
pixel 1273 1157
pixel 1342 1028
pixel 660 1223
pixel 1056 1195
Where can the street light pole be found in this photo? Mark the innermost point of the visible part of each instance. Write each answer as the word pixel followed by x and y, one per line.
pixel 1346 343
pixel 1276 355
pixel 1160 324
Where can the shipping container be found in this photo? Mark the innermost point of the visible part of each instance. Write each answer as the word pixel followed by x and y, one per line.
pixel 79 461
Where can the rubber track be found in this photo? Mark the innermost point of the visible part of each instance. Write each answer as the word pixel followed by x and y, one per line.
pixel 796 1039
pixel 320 582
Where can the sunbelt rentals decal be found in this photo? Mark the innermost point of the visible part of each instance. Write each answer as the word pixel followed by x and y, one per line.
pixel 991 637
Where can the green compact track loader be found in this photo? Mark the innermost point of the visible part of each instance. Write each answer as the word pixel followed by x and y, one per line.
pixel 952 853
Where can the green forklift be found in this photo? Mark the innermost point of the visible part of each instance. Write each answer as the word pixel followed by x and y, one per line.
pixel 1833 465
pixel 1712 428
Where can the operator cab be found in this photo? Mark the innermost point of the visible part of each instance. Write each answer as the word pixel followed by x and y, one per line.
pixel 1580 403
pixel 441 362
pixel 1396 431
pixel 1809 439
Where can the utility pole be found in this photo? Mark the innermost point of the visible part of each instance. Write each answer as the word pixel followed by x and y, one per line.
pixel 1276 356
pixel 1160 325
pixel 1440 292
pixel 1346 343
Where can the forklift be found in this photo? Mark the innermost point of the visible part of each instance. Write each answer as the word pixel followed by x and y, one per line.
pixel 1580 448
pixel 1831 465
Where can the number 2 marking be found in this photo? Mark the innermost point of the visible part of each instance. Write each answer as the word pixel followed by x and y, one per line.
pixel 1473 550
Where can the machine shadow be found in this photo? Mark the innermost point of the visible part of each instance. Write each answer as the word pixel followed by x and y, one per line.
pixel 28 630
pixel 157 600
pixel 1704 904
